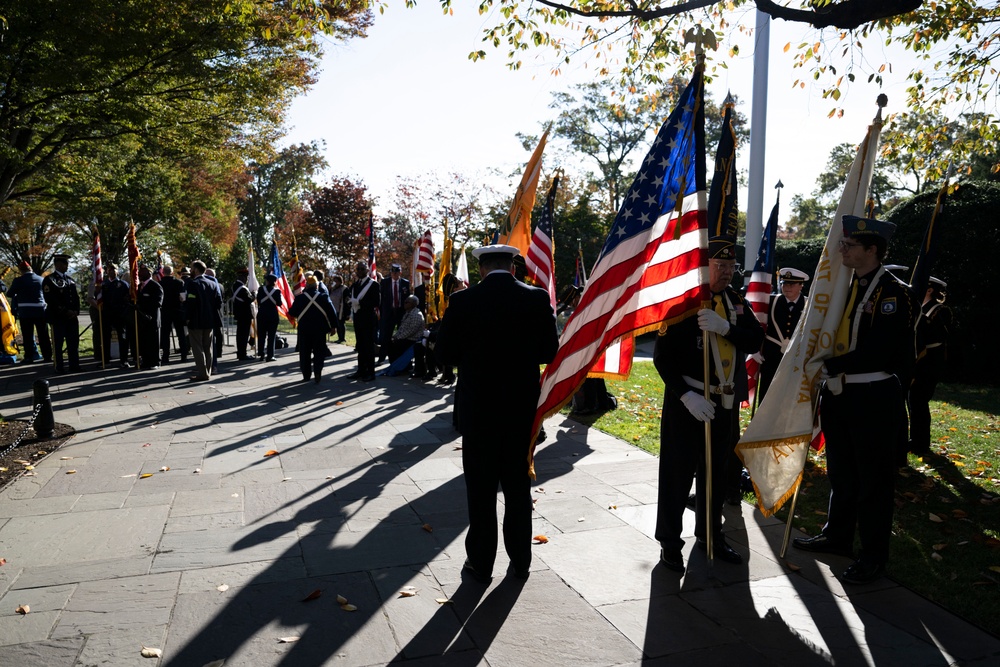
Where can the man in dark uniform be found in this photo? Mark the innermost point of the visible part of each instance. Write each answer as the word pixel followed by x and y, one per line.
pixel 364 300
pixel 315 317
pixel 933 323
pixel 202 310
pixel 172 315
pixel 480 321
pixel 732 332
pixel 268 303
pixel 861 402
pixel 242 312
pixel 28 303
pixel 116 315
pixel 62 310
pixel 784 311
pixel 149 300
pixel 394 291
pixel 217 332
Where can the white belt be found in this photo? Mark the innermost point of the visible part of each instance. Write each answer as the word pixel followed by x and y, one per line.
pixel 712 389
pixel 858 378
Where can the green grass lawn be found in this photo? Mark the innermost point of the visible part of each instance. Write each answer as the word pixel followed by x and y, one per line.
pixel 946 531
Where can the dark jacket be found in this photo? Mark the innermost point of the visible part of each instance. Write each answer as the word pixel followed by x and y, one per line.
pixel 62 299
pixel 366 317
pixel 314 312
pixel 497 333
pixel 242 300
pixel 149 300
pixel 678 352
pixel 203 303
pixel 116 299
pixel 26 296
pixel 268 301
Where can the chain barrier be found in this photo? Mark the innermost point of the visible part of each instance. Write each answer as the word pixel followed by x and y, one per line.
pixel 31 424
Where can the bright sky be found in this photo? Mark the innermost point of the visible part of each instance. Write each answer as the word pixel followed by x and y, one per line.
pixel 407 101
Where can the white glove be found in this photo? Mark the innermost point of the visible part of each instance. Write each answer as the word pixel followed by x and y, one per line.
pixel 758 357
pixel 823 373
pixel 355 305
pixel 709 320
pixel 699 407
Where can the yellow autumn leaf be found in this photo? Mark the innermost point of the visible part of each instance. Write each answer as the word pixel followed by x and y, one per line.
pixel 408 592
pixel 148 652
pixel 271 452
pixel 995 568
pixel 442 600
pixel 70 472
pixel 348 607
pixel 288 640
pixel 145 475
pixel 341 599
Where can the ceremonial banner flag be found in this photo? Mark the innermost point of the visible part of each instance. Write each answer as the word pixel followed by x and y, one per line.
pixel 519 232
pixel 158 274
pixel 370 233
pixel 723 209
pixel 252 283
pixel 98 273
pixel 653 268
pixel 416 277
pixel 8 329
pixel 760 287
pixel 462 270
pixel 133 261
pixel 282 282
pixel 443 270
pixel 539 260
pixel 775 444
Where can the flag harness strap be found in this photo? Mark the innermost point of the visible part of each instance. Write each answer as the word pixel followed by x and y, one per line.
pixel 269 294
pixel 725 375
pixel 356 307
pixel 312 301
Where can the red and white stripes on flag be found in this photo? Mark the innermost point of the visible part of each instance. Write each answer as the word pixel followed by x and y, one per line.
pixel 653 266
pixel 539 260
pixel 616 362
pixel 425 254
pixel 98 270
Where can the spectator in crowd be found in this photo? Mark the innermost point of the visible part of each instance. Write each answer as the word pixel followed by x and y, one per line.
pixel 27 302
pixel 203 311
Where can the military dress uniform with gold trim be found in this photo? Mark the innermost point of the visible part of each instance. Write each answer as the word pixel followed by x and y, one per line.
pixel 678 357
pixel 63 308
pixel 861 421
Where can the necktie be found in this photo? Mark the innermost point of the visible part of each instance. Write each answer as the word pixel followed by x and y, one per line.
pixel 726 349
pixel 395 294
pixel 843 341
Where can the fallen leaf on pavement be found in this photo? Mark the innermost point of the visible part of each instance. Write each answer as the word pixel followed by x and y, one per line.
pixel 3 470
pixel 341 599
pixel 939 547
pixel 348 607
pixel 145 475
pixel 428 527
pixel 22 462
pixel 935 518
pixel 31 474
pixel 132 475
pixel 222 588
pixel 312 596
pixel 70 472
pixel 540 539
pixel 959 514
pixel 408 592
pixel 197 470
pixel 442 600
pixel 3 561
pixel 147 444
pixel 271 452
pixel 288 640
pixel 456 448
pixel 339 403
pixel 937 556
pixel 792 566
pixel 148 652
pixel 66 458
pixel 612 507
pixel 23 609
pixel 164 468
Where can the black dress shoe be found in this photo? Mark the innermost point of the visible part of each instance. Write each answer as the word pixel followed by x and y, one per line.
pixel 476 575
pixel 672 560
pixel 521 573
pixel 368 378
pixel 862 572
pixel 821 544
pixel 353 376
pixel 722 550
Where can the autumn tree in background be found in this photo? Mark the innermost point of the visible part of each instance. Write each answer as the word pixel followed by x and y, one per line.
pixel 277 187
pixel 338 214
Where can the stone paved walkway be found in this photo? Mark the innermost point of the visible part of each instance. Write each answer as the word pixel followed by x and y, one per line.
pixel 213 559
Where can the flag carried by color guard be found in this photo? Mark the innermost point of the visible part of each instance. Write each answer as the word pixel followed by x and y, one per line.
pixel 760 287
pixel 775 444
pixel 282 282
pixel 539 260
pixel 519 226
pixel 653 266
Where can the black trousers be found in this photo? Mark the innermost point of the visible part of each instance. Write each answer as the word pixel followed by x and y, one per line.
pixel 266 331
pixel 366 348
pixel 29 327
pixel 148 339
pixel 242 336
pixel 918 400
pixel 489 464
pixel 682 457
pixel 861 426
pixel 312 352
pixel 175 321
pixel 120 325
pixel 66 329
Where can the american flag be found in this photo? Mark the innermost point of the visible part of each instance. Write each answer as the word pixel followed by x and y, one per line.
pixel 98 270
pixel 539 261
pixel 158 274
pixel 759 288
pixel 282 283
pixel 133 261
pixel 425 254
pixel 654 264
pixel 298 282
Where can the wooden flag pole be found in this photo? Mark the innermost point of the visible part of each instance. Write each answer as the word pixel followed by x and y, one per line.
pixel 709 533
pixel 791 517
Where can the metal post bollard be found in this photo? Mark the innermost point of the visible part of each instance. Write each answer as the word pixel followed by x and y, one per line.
pixel 45 421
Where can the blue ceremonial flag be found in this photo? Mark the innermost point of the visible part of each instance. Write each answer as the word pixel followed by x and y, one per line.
pixel 282 282
pixel 922 268
pixel 653 267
